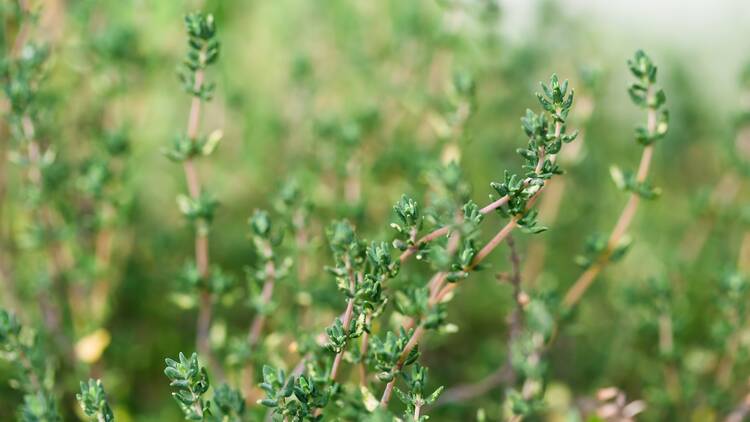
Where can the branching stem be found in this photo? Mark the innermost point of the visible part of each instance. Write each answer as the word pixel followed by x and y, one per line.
pixel 621 226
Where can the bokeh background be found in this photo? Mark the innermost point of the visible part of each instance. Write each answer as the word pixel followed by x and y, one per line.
pixel 352 100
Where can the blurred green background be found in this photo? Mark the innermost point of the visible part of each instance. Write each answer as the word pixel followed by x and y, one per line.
pixel 382 72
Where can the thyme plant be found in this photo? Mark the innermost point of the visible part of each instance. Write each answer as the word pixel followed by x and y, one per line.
pixel 354 273
pixel 198 206
pixel 451 250
pixel 93 401
pixel 33 372
pixel 645 95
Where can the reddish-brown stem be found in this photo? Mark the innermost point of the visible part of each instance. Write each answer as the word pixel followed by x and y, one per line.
pixel 486 210
pixel 492 244
pixel 465 392
pixel 438 288
pixel 495 205
pixel 415 338
pixel 195 106
pixel 256 328
pixel 203 325
pixel 336 364
pixel 549 209
pixel 346 321
pixel 740 412
pixel 621 226
pixel 506 373
pixel 540 159
pixel 410 345
pixel 205 305
pixel 363 353
pixel 191 176
pixel 443 231
pixel 442 293
pixel 436 283
pixel 387 393
pixel 516 317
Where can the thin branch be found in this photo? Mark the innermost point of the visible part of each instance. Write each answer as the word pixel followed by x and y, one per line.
pixel 465 392
pixel 740 412
pixel 445 230
pixel 492 244
pixel 516 319
pixel 410 345
pixel 51 314
pixel 205 305
pixel 438 293
pixel 621 226
pixel 505 373
pixel 347 314
pixel 256 328
pixel 363 353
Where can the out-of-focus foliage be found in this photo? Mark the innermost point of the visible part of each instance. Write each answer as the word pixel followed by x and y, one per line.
pixel 323 115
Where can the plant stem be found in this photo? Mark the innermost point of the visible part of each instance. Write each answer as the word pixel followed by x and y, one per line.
pixel 256 328
pixel 487 209
pixel 51 314
pixel 205 306
pixel 363 353
pixel 516 320
pixel 197 404
pixel 492 244
pixel 347 315
pixel 621 226
pixel 440 290
pixel 410 345
pixel 445 230
pixel 740 411
pixel 464 392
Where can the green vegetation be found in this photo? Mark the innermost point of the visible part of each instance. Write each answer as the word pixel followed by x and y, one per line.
pixel 369 231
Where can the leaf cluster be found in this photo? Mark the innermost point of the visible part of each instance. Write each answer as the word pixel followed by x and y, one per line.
pixel 294 398
pixel 203 51
pixel 94 402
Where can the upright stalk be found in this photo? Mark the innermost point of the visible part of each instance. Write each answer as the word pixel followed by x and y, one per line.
pixel 644 94
pixel 28 77
pixel 585 280
pixel 205 306
pixel 440 290
pixel 198 207
pixel 346 321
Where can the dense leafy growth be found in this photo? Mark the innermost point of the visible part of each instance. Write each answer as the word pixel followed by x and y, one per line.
pixel 377 212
